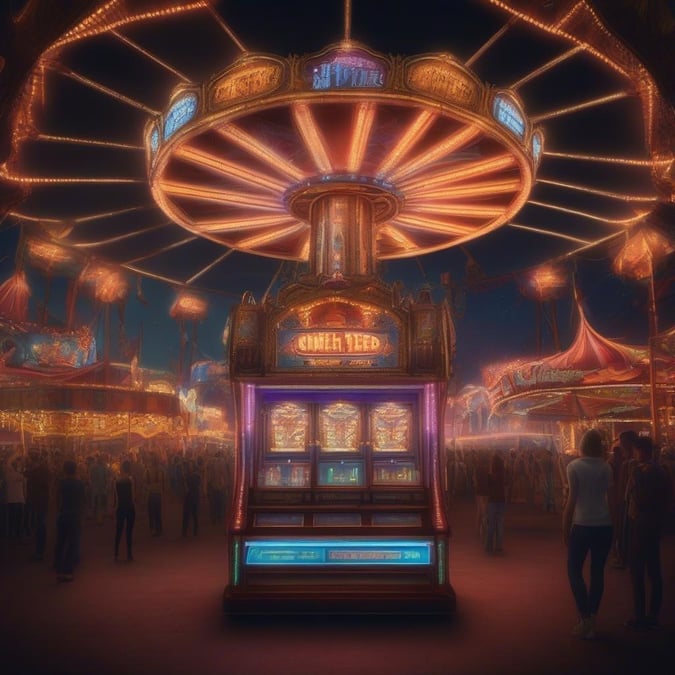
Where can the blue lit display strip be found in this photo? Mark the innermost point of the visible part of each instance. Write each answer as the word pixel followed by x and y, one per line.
pixel 337 552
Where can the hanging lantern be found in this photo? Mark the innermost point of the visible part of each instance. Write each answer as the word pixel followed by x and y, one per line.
pixel 14 295
pixel 51 258
pixel 642 252
pixel 546 282
pixel 188 307
pixel 107 284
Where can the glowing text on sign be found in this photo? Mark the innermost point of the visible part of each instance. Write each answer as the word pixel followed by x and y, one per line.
pixel 339 343
pixel 346 70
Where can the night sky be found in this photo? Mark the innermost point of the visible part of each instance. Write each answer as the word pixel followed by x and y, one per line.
pixel 494 321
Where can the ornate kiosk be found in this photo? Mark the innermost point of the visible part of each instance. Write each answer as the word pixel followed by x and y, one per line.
pixel 341 159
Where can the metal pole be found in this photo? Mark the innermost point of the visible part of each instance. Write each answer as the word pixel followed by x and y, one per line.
pixel 348 20
pixel 653 331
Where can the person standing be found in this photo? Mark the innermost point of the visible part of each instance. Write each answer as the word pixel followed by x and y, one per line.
pixel 649 494
pixel 156 482
pixel 191 499
pixel 99 480
pixel 125 508
pixel 218 480
pixel 587 527
pixel 15 486
pixel 38 481
pixel 71 497
pixel 481 492
pixel 496 504
pixel 626 461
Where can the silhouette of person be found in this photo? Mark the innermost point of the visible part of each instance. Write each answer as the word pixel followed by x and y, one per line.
pixel 649 495
pixel 587 527
pixel 125 508
pixel 71 497
pixel 191 499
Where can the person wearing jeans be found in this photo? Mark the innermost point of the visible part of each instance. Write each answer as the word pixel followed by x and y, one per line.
pixel 587 528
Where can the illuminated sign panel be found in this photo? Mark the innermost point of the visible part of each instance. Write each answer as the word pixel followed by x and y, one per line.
pixel 537 143
pixel 180 113
pixel 507 113
pixel 338 335
pixel 246 81
pixel 154 139
pixel 337 552
pixel 444 80
pixel 345 343
pixel 353 69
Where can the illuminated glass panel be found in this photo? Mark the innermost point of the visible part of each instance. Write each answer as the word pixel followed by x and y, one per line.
pixel 537 143
pixel 391 427
pixel 395 472
pixel 507 113
pixel 284 474
pixel 288 427
pixel 336 552
pixel 340 425
pixel 154 140
pixel 353 69
pixel 180 113
pixel 341 474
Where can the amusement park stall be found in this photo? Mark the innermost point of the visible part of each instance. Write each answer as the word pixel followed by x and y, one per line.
pixel 595 381
pixel 339 395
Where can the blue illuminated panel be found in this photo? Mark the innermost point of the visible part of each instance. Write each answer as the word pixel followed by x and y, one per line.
pixel 352 69
pixel 154 140
pixel 536 147
pixel 337 552
pixel 505 111
pixel 180 113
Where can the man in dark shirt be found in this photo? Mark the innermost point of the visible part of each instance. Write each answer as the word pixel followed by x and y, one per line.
pixel 649 494
pixel 191 499
pixel 69 522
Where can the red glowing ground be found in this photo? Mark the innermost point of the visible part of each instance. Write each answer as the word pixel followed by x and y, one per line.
pixel 162 614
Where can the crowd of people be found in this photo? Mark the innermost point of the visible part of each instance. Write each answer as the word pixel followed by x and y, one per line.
pixel 614 501
pixel 49 484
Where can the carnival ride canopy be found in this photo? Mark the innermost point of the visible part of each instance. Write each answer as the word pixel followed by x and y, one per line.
pixel 79 142
pixel 80 134
pixel 595 377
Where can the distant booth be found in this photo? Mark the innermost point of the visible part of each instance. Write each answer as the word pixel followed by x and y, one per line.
pixel 54 392
pixel 595 382
pixel 664 385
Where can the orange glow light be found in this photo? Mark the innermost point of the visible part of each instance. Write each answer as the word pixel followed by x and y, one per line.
pixel 641 253
pixel 464 170
pixel 230 169
pixel 260 150
pixel 244 199
pixel 441 149
pixel 312 137
pixel 363 123
pixel 410 136
pixel 484 188
pixel 244 224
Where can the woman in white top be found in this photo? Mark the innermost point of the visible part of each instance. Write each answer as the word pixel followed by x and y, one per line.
pixel 587 526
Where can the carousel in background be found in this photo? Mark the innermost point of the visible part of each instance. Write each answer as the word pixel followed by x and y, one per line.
pixel 57 388
pixel 594 382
